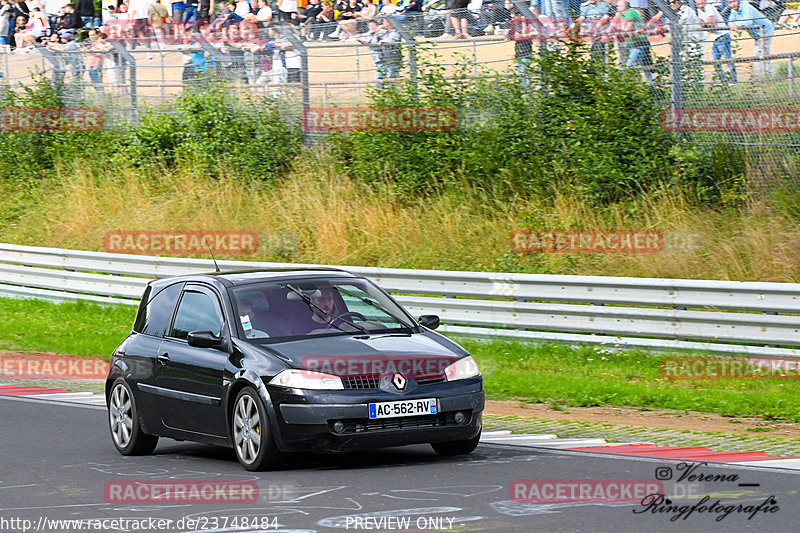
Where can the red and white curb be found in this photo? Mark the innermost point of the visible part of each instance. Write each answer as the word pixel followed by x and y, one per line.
pixel 544 440
pixel 53 395
pixel 640 449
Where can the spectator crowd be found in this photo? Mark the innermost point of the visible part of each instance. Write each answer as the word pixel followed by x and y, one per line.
pixel 257 28
pixel 632 24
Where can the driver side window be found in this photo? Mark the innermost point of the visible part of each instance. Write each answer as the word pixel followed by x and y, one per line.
pixel 196 312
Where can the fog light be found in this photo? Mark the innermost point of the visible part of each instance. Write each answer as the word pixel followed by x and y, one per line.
pixel 338 426
pixel 460 417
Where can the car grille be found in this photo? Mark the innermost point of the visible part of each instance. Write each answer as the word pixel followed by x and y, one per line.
pixel 373 382
pixel 361 382
pixel 366 425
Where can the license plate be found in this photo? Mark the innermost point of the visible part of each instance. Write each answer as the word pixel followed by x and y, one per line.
pixel 403 408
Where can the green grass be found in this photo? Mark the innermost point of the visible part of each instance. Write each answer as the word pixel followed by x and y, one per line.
pixel 558 375
pixel 594 376
pixel 66 328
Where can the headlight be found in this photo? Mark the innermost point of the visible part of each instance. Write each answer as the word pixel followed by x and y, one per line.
pixel 462 369
pixel 306 379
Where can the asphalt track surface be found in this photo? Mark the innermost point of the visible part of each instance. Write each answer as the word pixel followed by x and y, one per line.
pixel 56 460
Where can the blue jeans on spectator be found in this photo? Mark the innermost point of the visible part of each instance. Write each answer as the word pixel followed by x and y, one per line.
pixel 384 71
pixel 637 55
pixel 721 49
pixel 87 22
pixel 554 9
pixel 190 14
pixel 524 70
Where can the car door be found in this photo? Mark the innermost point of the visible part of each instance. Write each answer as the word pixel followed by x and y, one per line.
pixel 139 352
pixel 190 379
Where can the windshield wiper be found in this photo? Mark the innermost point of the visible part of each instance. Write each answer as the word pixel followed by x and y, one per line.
pixel 311 305
pixel 376 305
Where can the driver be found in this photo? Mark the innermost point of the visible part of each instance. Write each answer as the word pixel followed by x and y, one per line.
pixel 325 301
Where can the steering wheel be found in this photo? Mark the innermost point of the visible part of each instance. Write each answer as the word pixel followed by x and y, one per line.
pixel 348 315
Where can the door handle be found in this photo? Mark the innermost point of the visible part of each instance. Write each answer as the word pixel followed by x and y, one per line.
pixel 163 358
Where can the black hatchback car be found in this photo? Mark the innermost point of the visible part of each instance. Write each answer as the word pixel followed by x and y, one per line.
pixel 269 362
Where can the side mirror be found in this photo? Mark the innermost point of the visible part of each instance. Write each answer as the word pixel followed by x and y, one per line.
pixel 204 339
pixel 429 321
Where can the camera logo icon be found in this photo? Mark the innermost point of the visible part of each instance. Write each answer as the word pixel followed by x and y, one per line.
pixel 663 473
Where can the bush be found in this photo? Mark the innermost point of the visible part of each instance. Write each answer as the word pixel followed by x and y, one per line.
pixel 571 122
pixel 208 129
pixel 211 128
pixel 30 155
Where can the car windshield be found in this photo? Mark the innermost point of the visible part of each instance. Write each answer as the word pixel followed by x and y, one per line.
pixel 307 307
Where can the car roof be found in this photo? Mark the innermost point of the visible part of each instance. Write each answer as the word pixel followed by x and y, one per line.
pixel 245 277
pixel 254 276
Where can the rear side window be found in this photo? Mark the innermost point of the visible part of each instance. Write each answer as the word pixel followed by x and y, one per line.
pixel 196 312
pixel 154 317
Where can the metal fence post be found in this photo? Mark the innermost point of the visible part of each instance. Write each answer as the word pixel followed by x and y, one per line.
pixel 790 75
pixel 412 48
pixel 675 74
pixel 306 94
pixel 131 61
pixel 59 70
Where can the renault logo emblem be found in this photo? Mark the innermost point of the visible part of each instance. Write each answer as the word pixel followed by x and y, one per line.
pixel 399 381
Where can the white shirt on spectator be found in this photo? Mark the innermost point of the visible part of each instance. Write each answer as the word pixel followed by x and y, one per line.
pixel 293 59
pixel 475 6
pixel 720 28
pixel 51 7
pixel 288 6
pixel 264 14
pixel 389 9
pixel 691 24
pixel 242 8
pixel 138 8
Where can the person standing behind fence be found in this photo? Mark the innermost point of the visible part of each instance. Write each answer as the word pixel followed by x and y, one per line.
pixel 178 9
pixel 6 16
pixel 759 28
pixel 158 17
pixel 141 33
pixel 372 39
pixel 717 32
pixel 521 31
pixel 85 10
pixel 189 14
pixel 391 53
pixel 592 12
pixel 52 9
pixel 692 46
pixel 459 15
pixel 639 52
pixel 96 60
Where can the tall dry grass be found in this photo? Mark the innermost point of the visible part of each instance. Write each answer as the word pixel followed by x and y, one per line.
pixel 318 215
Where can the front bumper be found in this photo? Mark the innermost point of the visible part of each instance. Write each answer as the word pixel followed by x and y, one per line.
pixel 306 418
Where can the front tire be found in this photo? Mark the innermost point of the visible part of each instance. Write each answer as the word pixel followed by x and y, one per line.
pixel 252 438
pixel 123 421
pixel 456 447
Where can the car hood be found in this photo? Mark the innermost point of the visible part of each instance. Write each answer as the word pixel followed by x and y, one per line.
pixel 307 353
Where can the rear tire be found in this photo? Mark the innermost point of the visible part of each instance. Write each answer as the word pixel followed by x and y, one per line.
pixel 123 421
pixel 252 437
pixel 456 447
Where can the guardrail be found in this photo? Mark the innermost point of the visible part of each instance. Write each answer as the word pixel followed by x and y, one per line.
pixel 754 318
